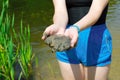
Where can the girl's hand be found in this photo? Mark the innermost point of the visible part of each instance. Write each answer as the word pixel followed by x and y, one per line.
pixel 52 29
pixel 72 32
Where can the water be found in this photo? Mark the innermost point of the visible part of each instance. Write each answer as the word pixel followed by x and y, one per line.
pixel 38 14
pixel 113 21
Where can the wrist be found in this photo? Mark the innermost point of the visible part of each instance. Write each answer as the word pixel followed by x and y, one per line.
pixel 76 27
pixel 60 26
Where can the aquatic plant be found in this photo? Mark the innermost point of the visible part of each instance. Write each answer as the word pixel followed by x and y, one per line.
pixel 15 48
pixel 6 46
pixel 25 50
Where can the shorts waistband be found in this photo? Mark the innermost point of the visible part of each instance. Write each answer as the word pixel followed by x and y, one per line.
pixel 99 27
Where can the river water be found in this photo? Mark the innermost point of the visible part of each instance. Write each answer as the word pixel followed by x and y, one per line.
pixel 38 14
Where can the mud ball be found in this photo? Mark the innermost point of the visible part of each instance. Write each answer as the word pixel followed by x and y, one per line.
pixel 58 42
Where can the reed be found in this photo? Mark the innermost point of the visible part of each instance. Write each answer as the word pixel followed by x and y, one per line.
pixel 6 50
pixel 25 54
pixel 15 48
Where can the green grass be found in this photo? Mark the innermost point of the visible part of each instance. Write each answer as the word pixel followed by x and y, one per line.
pixel 15 48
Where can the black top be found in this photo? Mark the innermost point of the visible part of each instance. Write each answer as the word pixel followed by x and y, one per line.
pixel 79 8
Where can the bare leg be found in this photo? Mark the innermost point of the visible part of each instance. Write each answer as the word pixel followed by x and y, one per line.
pixel 80 72
pixel 71 71
pixel 96 73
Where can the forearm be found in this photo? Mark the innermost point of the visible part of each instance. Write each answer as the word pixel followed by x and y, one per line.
pixel 88 20
pixel 93 15
pixel 60 17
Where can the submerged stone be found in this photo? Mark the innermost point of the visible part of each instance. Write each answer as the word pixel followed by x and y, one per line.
pixel 58 42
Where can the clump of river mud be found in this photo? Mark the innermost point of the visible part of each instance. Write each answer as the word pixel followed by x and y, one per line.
pixel 58 42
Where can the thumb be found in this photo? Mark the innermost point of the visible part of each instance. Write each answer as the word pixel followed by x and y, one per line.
pixel 74 40
pixel 66 32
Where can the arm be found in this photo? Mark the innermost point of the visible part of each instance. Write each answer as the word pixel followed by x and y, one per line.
pixel 89 19
pixel 60 17
pixel 93 15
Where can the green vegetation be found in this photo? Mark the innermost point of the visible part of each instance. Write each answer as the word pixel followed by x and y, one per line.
pixel 38 14
pixel 15 48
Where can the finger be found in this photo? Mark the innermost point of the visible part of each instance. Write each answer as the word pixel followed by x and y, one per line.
pixel 74 40
pixel 43 38
pixel 45 35
pixel 67 32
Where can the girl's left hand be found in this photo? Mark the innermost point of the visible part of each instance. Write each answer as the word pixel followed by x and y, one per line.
pixel 73 34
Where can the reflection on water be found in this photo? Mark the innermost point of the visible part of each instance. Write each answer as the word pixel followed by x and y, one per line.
pixel 114 21
pixel 38 14
pixel 113 14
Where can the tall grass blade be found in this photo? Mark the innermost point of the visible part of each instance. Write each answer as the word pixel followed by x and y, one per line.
pixel 11 52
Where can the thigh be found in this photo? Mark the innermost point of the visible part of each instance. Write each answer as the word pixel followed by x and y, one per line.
pixel 71 71
pixel 96 73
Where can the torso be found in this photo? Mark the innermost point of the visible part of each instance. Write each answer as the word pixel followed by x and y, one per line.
pixel 79 8
pixel 77 3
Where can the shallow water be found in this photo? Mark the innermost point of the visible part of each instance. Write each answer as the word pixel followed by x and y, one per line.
pixel 38 14
pixel 113 21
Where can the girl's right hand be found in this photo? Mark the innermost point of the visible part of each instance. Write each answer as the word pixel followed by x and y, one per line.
pixel 53 29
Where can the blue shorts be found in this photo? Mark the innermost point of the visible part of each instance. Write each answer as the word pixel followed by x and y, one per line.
pixel 94 48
